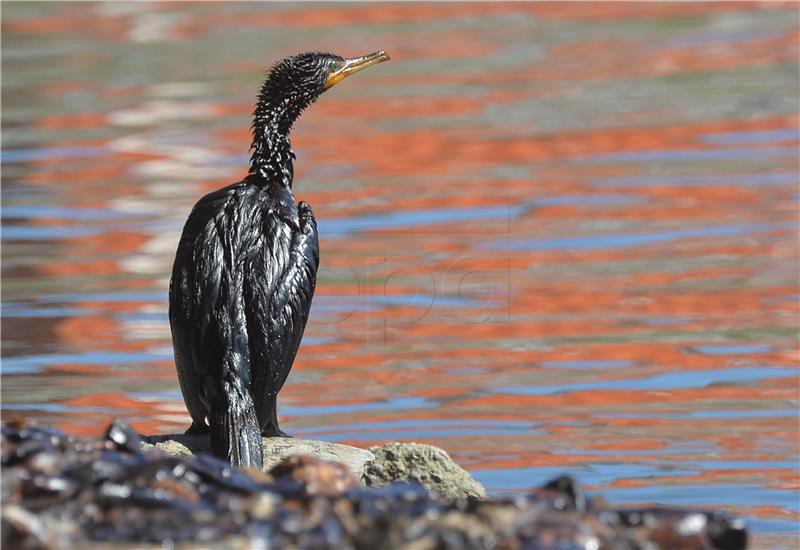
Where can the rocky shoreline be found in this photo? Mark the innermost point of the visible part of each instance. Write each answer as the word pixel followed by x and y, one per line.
pixel 61 491
pixel 376 466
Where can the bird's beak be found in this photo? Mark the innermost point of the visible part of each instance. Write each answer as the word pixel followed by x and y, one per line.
pixel 353 65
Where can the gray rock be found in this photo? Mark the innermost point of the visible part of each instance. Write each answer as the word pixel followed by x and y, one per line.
pixel 275 449
pixel 431 465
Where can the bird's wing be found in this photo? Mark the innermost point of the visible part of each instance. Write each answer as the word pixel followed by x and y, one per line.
pixel 278 305
pixel 205 292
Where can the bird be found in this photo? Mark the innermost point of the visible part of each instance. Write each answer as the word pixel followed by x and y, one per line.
pixel 245 271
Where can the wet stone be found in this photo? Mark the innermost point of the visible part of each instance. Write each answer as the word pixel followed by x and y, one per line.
pixel 275 450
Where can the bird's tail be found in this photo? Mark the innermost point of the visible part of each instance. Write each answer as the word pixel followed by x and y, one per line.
pixel 235 433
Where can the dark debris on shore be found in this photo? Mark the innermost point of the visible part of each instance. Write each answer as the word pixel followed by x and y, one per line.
pixel 61 491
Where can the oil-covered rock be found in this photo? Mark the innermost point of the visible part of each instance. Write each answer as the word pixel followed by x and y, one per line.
pixel 61 491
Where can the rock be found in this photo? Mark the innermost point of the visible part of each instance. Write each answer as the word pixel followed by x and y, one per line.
pixel 430 465
pixel 318 477
pixel 275 449
pixel 62 491
pixel 377 466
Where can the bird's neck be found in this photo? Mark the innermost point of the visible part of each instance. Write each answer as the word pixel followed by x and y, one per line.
pixel 272 157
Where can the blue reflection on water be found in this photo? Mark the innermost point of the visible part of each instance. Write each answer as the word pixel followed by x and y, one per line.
pixel 406 219
pixel 36 363
pixel 625 240
pixel 121 296
pixel 64 212
pixel 50 233
pixel 753 137
pixel 732 349
pixel 672 180
pixel 704 465
pixel 58 408
pixel 418 428
pixel 666 381
pixel 12 156
pixel 165 395
pixel 774 526
pixel 587 364
pixel 589 474
pixel 426 423
pixel 709 414
pixel 338 306
pixel 717 36
pixel 744 153
pixel 391 404
pixel 21 309
pixel 681 450
pixel 392 435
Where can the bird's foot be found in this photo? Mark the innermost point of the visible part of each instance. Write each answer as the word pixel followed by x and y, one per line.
pixel 269 431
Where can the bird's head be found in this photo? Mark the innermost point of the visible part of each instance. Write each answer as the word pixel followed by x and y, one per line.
pixel 292 85
pixel 296 82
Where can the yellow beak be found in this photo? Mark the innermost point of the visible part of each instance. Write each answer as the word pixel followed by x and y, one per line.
pixel 353 65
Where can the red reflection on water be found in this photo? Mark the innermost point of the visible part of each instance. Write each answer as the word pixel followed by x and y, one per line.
pixel 424 323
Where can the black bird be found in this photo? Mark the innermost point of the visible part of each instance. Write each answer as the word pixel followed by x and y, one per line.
pixel 245 272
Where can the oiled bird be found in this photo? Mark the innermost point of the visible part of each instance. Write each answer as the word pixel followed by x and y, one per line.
pixel 245 272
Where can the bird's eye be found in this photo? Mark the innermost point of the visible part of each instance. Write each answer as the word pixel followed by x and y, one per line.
pixel 336 65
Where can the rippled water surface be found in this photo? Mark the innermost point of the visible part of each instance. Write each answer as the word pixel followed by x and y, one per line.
pixel 554 237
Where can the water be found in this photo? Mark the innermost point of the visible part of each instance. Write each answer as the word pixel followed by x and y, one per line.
pixel 554 238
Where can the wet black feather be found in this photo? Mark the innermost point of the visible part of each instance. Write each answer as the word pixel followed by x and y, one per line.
pixel 244 277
